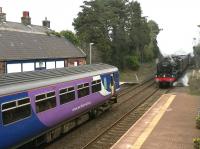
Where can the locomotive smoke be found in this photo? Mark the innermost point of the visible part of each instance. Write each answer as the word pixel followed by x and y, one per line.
pixel 184 80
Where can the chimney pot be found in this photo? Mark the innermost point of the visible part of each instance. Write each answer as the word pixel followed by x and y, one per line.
pixel 2 16
pixel 25 19
pixel 26 14
pixel 46 23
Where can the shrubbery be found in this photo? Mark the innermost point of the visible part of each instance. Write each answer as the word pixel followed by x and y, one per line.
pixel 132 62
pixel 198 122
pixel 196 142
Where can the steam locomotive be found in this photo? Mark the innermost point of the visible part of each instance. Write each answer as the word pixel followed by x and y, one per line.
pixel 170 68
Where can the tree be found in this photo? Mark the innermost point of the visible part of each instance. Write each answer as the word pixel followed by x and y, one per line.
pixel 116 27
pixel 154 31
pixel 197 50
pixel 69 35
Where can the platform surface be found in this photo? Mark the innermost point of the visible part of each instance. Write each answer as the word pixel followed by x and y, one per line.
pixel 168 124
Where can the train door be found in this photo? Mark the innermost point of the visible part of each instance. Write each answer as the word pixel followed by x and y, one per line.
pixel 113 88
pixel 112 85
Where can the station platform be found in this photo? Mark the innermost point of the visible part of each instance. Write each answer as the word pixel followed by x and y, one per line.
pixel 168 124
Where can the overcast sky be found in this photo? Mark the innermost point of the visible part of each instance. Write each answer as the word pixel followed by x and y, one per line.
pixel 177 18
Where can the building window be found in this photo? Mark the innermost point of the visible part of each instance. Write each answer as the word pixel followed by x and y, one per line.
pixel 50 65
pixel 16 110
pixel 12 68
pixel 67 95
pixel 40 64
pixel 45 101
pixel 83 90
pixel 96 86
pixel 60 64
pixel 75 63
pixel 28 67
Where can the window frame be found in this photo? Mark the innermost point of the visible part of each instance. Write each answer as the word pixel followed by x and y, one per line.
pixel 67 88
pixel 97 82
pixel 83 87
pixel 15 107
pixel 38 64
pixel 46 98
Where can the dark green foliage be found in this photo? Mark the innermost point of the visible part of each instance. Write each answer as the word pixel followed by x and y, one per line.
pixel 53 33
pixel 196 50
pixel 117 29
pixel 132 62
pixel 69 35
pixel 153 47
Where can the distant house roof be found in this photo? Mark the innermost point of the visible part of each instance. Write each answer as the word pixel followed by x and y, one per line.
pixel 14 26
pixel 21 42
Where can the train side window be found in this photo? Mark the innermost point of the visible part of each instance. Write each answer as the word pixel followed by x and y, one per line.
pixel 96 86
pixel 67 95
pixel 83 90
pixel 9 105
pixel 45 101
pixel 21 110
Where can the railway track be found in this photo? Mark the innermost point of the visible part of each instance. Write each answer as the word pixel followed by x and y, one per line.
pixel 125 90
pixel 112 133
pixel 98 130
pixel 133 92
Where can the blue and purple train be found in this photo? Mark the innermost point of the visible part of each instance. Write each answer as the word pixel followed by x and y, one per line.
pixel 40 106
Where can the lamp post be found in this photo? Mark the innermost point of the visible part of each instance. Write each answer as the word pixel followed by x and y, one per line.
pixel 91 52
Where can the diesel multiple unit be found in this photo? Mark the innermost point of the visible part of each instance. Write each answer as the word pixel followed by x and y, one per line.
pixel 42 105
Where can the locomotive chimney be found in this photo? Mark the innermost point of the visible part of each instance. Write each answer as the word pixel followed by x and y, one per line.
pixel 2 16
pixel 25 19
pixel 46 23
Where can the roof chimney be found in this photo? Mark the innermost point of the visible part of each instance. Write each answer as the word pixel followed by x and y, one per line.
pixel 46 23
pixel 2 16
pixel 26 20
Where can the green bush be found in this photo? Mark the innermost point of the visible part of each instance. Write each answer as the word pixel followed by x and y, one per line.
pixel 198 122
pixel 132 62
pixel 196 142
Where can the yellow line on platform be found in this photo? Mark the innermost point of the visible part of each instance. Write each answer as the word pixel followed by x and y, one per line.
pixel 141 139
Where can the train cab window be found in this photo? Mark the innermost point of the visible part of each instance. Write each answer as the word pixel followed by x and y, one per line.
pixel 16 110
pixel 96 86
pixel 105 83
pixel 111 81
pixel 83 90
pixel 67 95
pixel 45 101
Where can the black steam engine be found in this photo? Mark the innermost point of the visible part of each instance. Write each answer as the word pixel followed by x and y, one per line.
pixel 170 68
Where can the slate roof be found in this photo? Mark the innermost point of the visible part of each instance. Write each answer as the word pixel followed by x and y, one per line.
pixel 23 28
pixel 20 42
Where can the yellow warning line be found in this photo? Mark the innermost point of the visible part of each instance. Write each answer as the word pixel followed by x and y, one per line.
pixel 141 139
